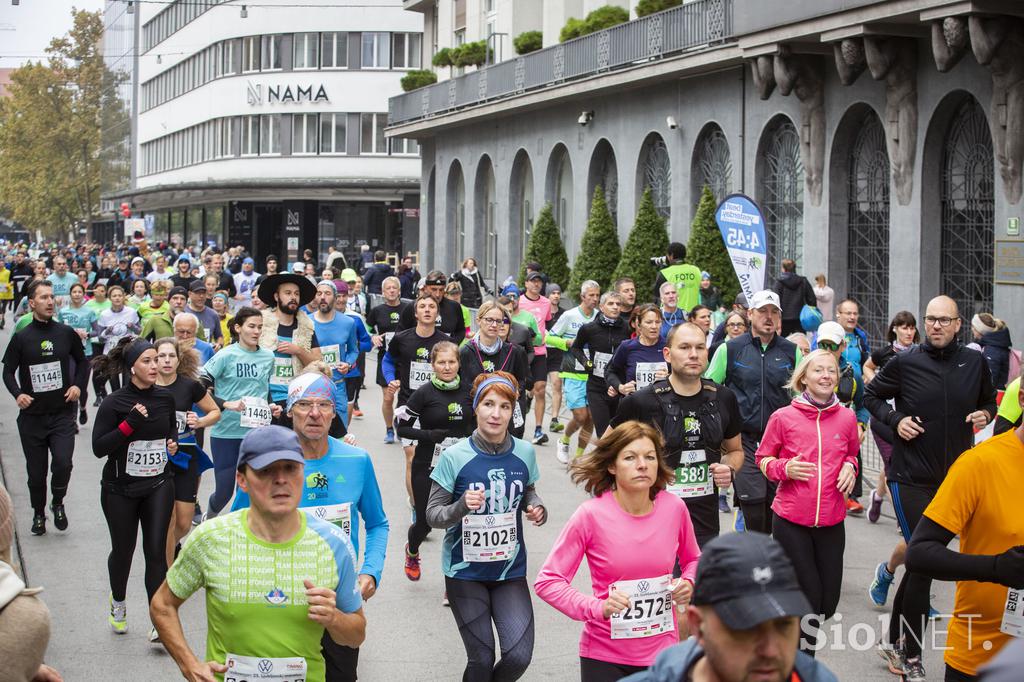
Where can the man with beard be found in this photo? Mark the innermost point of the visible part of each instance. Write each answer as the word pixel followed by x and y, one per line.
pixel 449 313
pixel 339 347
pixel 287 331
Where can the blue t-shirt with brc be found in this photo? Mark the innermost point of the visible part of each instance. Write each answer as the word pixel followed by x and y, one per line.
pixel 279 384
pixel 630 353
pixel 340 487
pixel 503 478
pixel 338 343
pixel 238 373
pixel 81 318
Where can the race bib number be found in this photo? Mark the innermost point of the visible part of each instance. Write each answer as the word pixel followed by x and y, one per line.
pixel 387 339
pixel 439 448
pixel 4 287
pixel 650 608
pixel 338 514
pixel 284 371
pixel 517 417
pixel 331 354
pixel 419 374
pixel 179 420
pixel 255 669
pixel 646 371
pixel 488 537
pixel 146 457
pixel 601 361
pixel 46 376
pixel 692 476
pixel 1013 616
pixel 255 413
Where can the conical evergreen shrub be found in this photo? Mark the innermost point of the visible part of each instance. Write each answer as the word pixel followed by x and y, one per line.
pixel 545 247
pixel 599 250
pixel 648 238
pixel 707 251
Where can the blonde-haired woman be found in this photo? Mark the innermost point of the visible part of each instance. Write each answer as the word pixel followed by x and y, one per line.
pixel 810 449
pixel 632 531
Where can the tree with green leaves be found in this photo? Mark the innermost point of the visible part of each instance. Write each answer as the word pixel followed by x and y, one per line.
pixel 707 251
pixel 648 238
pixel 528 41
pixel 599 249
pixel 546 247
pixel 645 7
pixel 50 147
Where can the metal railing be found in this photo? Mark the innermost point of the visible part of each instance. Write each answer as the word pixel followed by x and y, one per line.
pixel 692 26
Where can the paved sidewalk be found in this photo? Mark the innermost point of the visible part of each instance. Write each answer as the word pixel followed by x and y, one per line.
pixel 410 635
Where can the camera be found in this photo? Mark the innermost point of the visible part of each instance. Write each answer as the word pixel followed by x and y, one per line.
pixel 659 261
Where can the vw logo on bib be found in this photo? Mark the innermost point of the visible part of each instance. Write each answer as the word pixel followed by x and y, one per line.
pixel 489 520
pixel 266 666
pixel 643 586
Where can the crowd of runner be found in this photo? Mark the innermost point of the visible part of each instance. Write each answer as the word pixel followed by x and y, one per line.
pixel 681 411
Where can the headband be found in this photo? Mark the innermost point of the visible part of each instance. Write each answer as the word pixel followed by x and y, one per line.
pixel 980 326
pixel 490 381
pixel 310 385
pixel 135 349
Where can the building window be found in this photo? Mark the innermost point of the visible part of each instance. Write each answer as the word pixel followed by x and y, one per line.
pixel 657 175
pixel 227 58
pixel 714 168
pixel 250 54
pixel 375 50
pixel 270 134
pixel 406 50
pixel 305 49
pixel 223 136
pixel 967 197
pixel 334 48
pixel 304 131
pixel 372 140
pixel 403 147
pixel 270 53
pixel 782 194
pixel 250 135
pixel 332 133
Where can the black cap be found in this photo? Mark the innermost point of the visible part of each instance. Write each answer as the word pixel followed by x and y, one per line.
pixel 197 285
pixel 435 281
pixel 748 579
pixel 271 257
pixel 177 290
pixel 534 275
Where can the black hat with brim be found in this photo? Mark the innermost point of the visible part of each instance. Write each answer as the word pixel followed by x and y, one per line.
pixel 743 613
pixel 269 286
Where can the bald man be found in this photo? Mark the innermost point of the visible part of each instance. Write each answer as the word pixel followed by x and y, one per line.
pixel 943 391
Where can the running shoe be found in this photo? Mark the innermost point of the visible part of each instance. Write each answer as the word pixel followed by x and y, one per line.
pixel 738 524
pixel 412 564
pixel 389 437
pixel 879 590
pixel 556 426
pixel 154 636
pixel 854 508
pixel 723 504
pixel 539 437
pixel 913 670
pixel 875 507
pixel 444 599
pixel 60 518
pixel 197 516
pixel 39 524
pixel 892 656
pixel 96 403
pixel 83 416
pixel 357 413
pixel 562 450
pixel 118 618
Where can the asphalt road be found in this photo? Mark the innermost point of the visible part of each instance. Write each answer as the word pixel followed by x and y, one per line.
pixel 410 634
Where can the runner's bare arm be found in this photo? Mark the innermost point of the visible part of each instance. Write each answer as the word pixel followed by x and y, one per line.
pixel 163 610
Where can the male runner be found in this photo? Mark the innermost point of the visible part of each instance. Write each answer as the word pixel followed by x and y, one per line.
pixel 383 322
pixel 449 313
pixel 287 331
pixel 540 307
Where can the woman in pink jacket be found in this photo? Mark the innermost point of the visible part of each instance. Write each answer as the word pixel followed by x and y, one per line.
pixel 810 449
pixel 632 532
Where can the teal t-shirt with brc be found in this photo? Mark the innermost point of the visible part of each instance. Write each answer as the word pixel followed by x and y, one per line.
pixel 81 318
pixel 238 373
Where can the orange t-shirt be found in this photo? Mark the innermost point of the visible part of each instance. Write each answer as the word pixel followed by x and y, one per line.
pixel 982 502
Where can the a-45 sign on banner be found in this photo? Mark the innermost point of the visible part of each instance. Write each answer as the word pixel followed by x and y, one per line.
pixel 742 226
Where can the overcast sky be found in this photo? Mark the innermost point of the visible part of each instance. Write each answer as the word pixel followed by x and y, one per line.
pixel 26 30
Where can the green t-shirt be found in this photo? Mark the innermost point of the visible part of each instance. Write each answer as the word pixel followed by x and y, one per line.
pixel 98 308
pixel 1009 409
pixel 238 373
pixel 23 322
pixel 526 318
pixel 686 277
pixel 255 598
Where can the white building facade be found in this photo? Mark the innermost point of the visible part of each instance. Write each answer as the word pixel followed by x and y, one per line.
pixel 263 125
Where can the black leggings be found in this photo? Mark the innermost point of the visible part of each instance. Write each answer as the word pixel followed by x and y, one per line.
pixel 420 492
pixel 910 607
pixel 601 409
pixel 593 670
pixel 817 556
pixel 124 515
pixel 507 603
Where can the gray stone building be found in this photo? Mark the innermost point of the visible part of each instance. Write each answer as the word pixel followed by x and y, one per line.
pixel 882 140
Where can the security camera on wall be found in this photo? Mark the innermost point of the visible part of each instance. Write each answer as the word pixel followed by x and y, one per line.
pixel 585 118
pixel 671 122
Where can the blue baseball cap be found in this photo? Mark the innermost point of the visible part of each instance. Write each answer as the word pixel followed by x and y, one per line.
pixel 268 444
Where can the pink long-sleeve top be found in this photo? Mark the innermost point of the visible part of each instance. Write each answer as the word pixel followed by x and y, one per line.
pixel 827 438
pixel 618 546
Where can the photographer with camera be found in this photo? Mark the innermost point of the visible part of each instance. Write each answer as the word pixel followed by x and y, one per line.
pixel 684 276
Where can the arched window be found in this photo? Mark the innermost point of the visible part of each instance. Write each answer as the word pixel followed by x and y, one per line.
pixel 455 212
pixel 485 231
pixel 563 196
pixel 868 233
pixel 604 173
pixel 782 193
pixel 656 173
pixel 967 197
pixel 521 202
pixel 714 163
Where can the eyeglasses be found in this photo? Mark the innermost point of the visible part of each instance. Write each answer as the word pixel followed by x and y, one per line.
pixel 941 321
pixel 828 345
pixel 308 405
pixel 493 321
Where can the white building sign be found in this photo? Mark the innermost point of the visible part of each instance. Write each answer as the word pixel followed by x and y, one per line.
pixel 285 94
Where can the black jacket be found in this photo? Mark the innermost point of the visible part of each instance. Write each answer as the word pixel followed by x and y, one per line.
pixel 794 293
pixel 758 377
pixel 941 386
pixel 473 288
pixel 995 346
pixel 598 337
pixel 375 276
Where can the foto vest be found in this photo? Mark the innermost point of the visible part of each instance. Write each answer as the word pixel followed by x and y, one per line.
pixel 758 377
pixel 686 277
pixel 302 337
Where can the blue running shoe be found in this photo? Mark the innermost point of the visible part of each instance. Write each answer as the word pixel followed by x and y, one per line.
pixel 737 522
pixel 389 437
pixel 933 614
pixel 723 504
pixel 879 590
